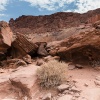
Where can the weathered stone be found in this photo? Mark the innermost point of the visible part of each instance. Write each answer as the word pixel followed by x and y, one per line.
pixel 97 83
pixel 53 52
pixel 56 58
pixel 71 66
pixel 48 58
pixel 24 79
pixel 97 78
pixel 15 62
pixel 5 36
pixel 41 50
pixel 27 59
pixel 21 47
pixel 19 83
pixel 78 66
pixel 20 63
pixel 63 87
pixel 85 84
pixel 66 92
pixel 98 27
pixel 74 89
pixel 7 92
pixel 77 95
pixel 81 27
pixel 39 62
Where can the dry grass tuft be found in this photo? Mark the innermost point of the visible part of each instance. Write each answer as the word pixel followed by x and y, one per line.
pixel 52 74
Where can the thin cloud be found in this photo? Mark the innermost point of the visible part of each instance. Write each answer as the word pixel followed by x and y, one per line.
pixel 82 5
pixel 1 15
pixel 48 4
pixel 3 4
pixel 85 5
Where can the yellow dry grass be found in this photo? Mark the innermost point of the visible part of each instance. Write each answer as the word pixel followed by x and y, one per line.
pixel 52 74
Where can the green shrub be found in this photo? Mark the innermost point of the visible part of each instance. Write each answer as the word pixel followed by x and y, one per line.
pixel 52 74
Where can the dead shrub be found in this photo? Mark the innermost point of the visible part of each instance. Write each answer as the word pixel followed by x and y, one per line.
pixel 52 74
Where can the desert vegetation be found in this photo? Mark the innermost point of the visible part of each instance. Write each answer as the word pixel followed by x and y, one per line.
pixel 52 74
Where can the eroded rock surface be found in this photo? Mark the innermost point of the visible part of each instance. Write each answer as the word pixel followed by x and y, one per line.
pixel 41 24
pixel 5 36
pixel 18 83
pixel 82 46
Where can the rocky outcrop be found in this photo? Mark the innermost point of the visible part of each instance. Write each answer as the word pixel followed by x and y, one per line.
pixel 18 79
pixel 21 47
pixel 94 18
pixel 83 46
pixel 50 23
pixel 97 24
pixel 42 24
pixel 5 36
pixel 18 84
pixel 41 50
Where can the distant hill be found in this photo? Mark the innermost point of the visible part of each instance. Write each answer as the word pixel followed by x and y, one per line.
pixel 49 23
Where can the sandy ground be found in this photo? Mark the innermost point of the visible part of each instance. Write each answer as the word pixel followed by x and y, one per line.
pixel 85 80
pixel 83 76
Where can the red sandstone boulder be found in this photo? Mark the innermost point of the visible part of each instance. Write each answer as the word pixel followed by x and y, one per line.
pixel 79 47
pixel 21 47
pixel 41 50
pixel 5 36
pixel 19 84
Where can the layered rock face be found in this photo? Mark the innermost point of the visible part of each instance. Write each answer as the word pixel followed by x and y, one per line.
pixel 79 47
pixel 49 23
pixel 5 36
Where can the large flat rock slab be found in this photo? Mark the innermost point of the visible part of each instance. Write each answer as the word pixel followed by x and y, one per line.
pixel 18 83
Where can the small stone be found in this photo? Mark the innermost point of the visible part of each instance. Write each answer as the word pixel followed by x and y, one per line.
pixel 79 66
pixel 20 63
pixel 59 94
pixel 77 95
pixel 86 84
pixel 27 59
pixel 25 98
pixel 97 83
pixel 66 92
pixel 47 97
pixel 71 66
pixel 39 62
pixel 71 92
pixel 40 97
pixel 74 89
pixel 56 58
pixel 63 87
pixel 98 78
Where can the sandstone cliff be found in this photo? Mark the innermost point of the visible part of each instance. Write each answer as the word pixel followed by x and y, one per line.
pixel 50 23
